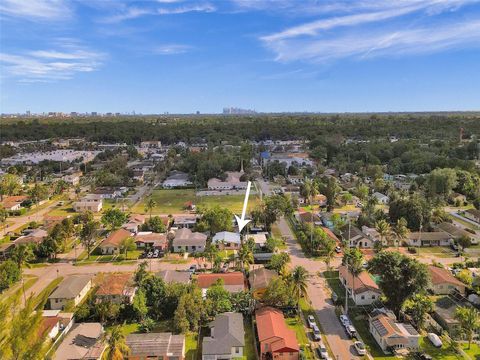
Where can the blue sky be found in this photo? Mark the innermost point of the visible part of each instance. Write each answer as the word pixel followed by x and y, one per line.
pixel 270 55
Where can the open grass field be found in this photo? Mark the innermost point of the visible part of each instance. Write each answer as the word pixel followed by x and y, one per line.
pixel 173 201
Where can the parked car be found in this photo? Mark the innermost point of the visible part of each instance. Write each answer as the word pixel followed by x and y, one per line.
pixel 317 336
pixel 192 269
pixel 422 356
pixel 344 320
pixel 311 321
pixel 322 351
pixel 224 268
pixel 351 331
pixel 435 340
pixel 360 347
pixel 338 249
pixel 334 297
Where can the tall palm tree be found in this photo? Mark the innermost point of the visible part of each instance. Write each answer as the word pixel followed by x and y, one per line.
pixel 329 251
pixel 354 260
pixel 469 319
pixel 400 230
pixel 384 230
pixel 117 348
pixel 298 281
pixel 245 256
pixel 22 254
pixel 150 205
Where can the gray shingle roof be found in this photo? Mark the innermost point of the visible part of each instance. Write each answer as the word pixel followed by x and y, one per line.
pixel 70 287
pixel 156 344
pixel 226 332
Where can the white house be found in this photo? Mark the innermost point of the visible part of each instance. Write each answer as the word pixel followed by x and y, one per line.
pixel 390 334
pixel 177 179
pixel 381 198
pixel 73 288
pixel 88 204
pixel 437 238
pixel 227 240
pixel 187 241
pixel 362 290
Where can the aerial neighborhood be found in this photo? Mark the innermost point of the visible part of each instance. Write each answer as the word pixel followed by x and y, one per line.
pixel 350 243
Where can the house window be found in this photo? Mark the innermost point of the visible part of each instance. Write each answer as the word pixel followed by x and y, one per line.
pixel 362 297
pixel 373 297
pixel 237 350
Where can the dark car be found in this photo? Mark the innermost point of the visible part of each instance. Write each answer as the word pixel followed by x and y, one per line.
pixel 422 356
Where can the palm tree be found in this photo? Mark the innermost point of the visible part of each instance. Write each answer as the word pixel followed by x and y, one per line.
pixel 150 205
pixel 245 256
pixel 117 348
pixel 384 230
pixel 128 244
pixel 354 260
pixel 329 251
pixel 400 230
pixel 298 281
pixel 469 319
pixel 22 254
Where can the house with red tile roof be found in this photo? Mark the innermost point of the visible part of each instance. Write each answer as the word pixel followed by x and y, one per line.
pixel 13 203
pixel 117 288
pixel 362 288
pixel 113 243
pixel 232 282
pixel 276 340
pixel 443 282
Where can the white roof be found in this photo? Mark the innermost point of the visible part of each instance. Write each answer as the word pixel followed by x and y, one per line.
pixel 227 237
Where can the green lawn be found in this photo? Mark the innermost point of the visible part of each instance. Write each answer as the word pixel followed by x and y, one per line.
pixel 474 351
pixel 337 287
pixel 439 251
pixel 438 354
pixel 464 222
pixel 191 345
pixel 249 349
pixel 17 290
pixel 173 201
pixel 296 325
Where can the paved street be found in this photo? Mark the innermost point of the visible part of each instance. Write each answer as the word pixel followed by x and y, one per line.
pixel 17 221
pixel 340 344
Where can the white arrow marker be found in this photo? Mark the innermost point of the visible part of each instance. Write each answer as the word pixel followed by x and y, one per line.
pixel 241 221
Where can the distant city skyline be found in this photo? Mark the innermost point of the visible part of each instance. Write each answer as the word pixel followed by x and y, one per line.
pixel 184 57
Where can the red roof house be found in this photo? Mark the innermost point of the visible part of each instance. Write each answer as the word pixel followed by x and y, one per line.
pixel 277 341
pixel 232 282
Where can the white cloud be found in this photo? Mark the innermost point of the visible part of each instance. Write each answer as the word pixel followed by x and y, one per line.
pixel 50 65
pixel 36 9
pixel 367 44
pixel 172 49
pixel 350 34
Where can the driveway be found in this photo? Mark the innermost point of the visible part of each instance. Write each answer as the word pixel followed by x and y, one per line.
pixel 340 344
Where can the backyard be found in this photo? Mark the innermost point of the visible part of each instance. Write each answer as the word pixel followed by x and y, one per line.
pixel 173 201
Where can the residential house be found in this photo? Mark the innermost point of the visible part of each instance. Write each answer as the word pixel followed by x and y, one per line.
pixel 392 335
pixel 231 183
pixel 227 338
pixel 83 342
pixel 227 240
pixel 73 288
pixel 174 276
pixel 49 327
pixel 457 232
pixel 187 241
pixel 259 238
pixel 381 198
pixel 259 280
pixel 161 346
pixel 295 179
pixel 117 288
pixel 50 221
pixel 276 340
pixel 372 234
pixel 151 240
pixel 108 193
pixel 444 314
pixel 113 243
pixel 184 221
pixel 458 199
pixel 139 175
pixel 90 202
pixel 356 238
pixel 443 282
pixel 362 289
pixel 35 236
pixel 177 179
pixel 134 223
pixel 309 218
pixel 72 179
pixel 422 238
pixel 473 214
pixel 319 199
pixel 13 203
pixel 233 282
pixel 6 250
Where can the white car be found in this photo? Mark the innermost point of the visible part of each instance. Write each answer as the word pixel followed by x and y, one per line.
pixel 311 321
pixel 322 351
pixel 344 320
pixel 435 340
pixel 360 347
pixel 316 333
pixel 351 331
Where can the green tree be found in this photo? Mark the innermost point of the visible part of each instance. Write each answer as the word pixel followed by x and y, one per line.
pixel 384 230
pixel 298 282
pixel 278 294
pixel 139 305
pixel 155 224
pixel 245 256
pixel 114 218
pixel 401 277
pixel 23 254
pixel 88 235
pixel 418 306
pixel 279 262
pixel 117 348
pixel 10 184
pixel 329 187
pixel 141 273
pixel 469 319
pixel 400 230
pixel 10 273
pixel 464 242
pixel 217 219
pixel 150 205
pixel 353 259
pixel 217 299
pixel 128 244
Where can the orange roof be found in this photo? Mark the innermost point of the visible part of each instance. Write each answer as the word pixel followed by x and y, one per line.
pixel 114 284
pixel 47 324
pixel 330 234
pixel 234 278
pixel 442 276
pixel 116 237
pixel 10 201
pixel 271 325
pixel 363 281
